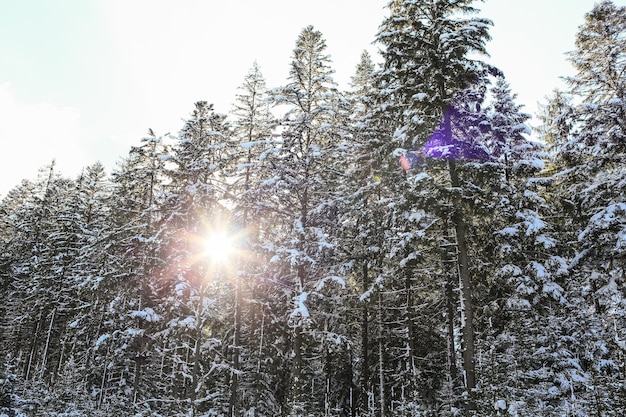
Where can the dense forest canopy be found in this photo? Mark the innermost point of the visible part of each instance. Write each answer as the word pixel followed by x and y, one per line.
pixel 399 249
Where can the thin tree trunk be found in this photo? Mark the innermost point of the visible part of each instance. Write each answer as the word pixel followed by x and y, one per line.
pixel 33 348
pixel 451 314
pixel 365 361
pixel 455 385
pixel 301 279
pixel 59 365
pixel 467 308
pixel 258 386
pixel 236 349
pixel 138 362
pixel 381 367
pixel 44 357
pixel 410 326
pixel 103 380
pixel 326 357
pixel 197 354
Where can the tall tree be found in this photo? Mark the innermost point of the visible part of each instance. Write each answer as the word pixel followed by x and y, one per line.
pixel 188 285
pixel 304 177
pixel 252 133
pixel 428 63
pixel 591 154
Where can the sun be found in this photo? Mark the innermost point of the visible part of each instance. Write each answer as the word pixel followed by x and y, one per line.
pixel 219 246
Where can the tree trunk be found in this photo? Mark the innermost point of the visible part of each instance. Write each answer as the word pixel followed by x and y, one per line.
pixel 103 380
pixel 33 348
pixel 197 354
pixel 138 362
pixel 301 279
pixel 381 349
pixel 410 327
pixel 467 308
pixel 44 358
pixel 236 341
pixel 451 314
pixel 365 376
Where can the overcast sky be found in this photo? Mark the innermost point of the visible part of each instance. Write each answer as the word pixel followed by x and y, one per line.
pixel 83 80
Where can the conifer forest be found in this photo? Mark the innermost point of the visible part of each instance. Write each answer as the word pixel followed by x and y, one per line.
pixel 409 247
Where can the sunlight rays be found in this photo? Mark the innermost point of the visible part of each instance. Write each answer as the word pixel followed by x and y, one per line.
pixel 218 247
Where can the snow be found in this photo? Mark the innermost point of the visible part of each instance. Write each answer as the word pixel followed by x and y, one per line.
pixel 134 332
pixel 539 269
pixel 366 295
pixel 511 270
pixel 412 256
pixel 621 239
pixel 332 278
pixel 180 288
pixel 500 405
pixel 554 290
pixel 604 219
pixel 606 216
pixel 518 304
pixel 398 152
pixel 545 241
pixel 146 314
pixel 508 231
pixel 186 323
pixel 531 220
pixel 268 182
pixel 249 145
pixel 419 177
pixel 531 195
pixel 523 128
pixel 241 167
pixel 301 311
pixel 533 163
pixel 101 340
pixel 416 216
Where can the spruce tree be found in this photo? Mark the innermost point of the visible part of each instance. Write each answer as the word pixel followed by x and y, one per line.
pixel 251 388
pixel 427 48
pixel 590 157
pixel 304 172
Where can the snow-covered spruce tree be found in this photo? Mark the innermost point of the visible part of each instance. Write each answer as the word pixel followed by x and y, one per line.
pixel 190 287
pixel 124 306
pixel 16 240
pixel 389 243
pixel 508 129
pixel 85 220
pixel 520 290
pixel 252 388
pixel 427 48
pixel 590 158
pixel 361 233
pixel 35 252
pixel 61 256
pixel 554 121
pixel 301 192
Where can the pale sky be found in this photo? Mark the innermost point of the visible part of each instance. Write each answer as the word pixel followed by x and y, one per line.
pixel 83 80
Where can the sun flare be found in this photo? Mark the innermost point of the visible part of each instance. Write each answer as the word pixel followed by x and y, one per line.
pixel 218 247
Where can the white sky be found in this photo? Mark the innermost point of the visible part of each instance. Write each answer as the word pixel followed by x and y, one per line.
pixel 83 80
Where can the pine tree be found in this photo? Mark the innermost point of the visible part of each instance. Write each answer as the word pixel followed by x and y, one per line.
pixel 591 153
pixel 127 286
pixel 189 287
pixel 252 131
pixel 427 66
pixel 303 179
pixel 361 230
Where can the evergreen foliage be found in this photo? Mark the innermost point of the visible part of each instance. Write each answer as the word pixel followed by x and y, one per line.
pixel 485 278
